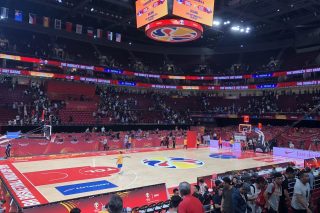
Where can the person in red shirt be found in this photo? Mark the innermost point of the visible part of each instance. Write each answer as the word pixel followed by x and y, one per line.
pixel 189 203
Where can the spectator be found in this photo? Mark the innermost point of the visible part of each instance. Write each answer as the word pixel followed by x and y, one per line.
pixel 189 203
pixel 217 198
pixel 196 192
pixel 284 199
pixel 176 192
pixel 273 193
pixel 75 210
pixel 206 199
pixel 255 190
pixel 2 206
pixel 228 190
pixel 301 194
pixel 174 203
pixel 239 199
pixel 202 186
pixel 311 177
pixel 115 204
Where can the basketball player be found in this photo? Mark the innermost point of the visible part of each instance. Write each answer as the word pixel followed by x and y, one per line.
pixel 120 161
pixel 8 150
pixel 185 143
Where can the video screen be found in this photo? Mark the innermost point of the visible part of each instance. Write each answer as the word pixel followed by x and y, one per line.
pixel 150 10
pixel 200 11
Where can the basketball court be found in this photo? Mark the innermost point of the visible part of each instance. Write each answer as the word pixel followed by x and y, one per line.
pixel 62 177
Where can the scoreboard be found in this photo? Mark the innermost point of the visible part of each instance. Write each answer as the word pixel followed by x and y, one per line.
pixel 150 10
pixel 200 11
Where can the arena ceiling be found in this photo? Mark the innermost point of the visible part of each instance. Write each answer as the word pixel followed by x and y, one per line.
pixel 269 20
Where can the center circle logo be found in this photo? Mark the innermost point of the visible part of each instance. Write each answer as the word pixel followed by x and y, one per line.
pixel 173 162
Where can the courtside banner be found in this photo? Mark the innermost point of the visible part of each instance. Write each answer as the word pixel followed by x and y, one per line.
pixel 131 198
pixel 295 153
pixel 146 75
pixel 23 192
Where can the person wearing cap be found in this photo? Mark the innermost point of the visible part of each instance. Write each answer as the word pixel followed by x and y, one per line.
pixel 273 193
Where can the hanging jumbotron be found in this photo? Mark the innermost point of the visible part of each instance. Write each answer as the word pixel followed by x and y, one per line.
pixel 187 27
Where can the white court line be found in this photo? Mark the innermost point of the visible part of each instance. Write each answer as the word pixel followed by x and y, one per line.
pixel 66 175
pixel 135 179
pixel 32 184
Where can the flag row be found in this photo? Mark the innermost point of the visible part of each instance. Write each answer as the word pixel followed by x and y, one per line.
pixel 57 24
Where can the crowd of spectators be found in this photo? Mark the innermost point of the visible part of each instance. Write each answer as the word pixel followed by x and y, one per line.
pixel 249 192
pixel 127 106
pixel 246 192
pixel 38 111
pixel 112 106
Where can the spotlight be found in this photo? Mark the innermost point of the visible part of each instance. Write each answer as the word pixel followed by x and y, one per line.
pixel 92 9
pixel 235 28
pixel 216 23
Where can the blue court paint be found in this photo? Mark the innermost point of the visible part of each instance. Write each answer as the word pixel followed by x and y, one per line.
pixel 85 187
pixel 222 156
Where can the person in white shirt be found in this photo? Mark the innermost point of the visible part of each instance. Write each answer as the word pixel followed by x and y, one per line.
pixel 301 194
pixel 202 186
pixel 291 145
pixel 255 189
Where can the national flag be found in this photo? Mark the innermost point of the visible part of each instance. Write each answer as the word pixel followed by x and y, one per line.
pixel 110 35
pixel 68 26
pixel 79 28
pixel 90 31
pixel 99 33
pixel 57 24
pixel 118 37
pixel 32 18
pixel 18 15
pixel 4 13
pixel 46 21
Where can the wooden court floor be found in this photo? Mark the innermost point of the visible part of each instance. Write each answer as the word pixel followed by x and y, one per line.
pixel 139 169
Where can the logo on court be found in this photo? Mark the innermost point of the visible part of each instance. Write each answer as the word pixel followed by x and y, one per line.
pixel 173 163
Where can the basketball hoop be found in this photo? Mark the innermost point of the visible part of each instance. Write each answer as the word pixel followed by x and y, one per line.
pixel 245 128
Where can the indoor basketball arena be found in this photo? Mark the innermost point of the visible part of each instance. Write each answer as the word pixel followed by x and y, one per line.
pixel 159 106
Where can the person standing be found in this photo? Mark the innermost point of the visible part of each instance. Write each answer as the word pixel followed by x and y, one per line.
pixel 189 203
pixel 217 198
pixel 105 144
pixel 255 190
pixel 185 143
pixel 220 143
pixel 228 190
pixel 198 142
pixel 119 162
pixel 173 142
pixel 239 199
pixel 301 194
pixel 174 203
pixel 285 198
pixel 115 204
pixel 8 150
pixel 273 193
pixel 202 186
